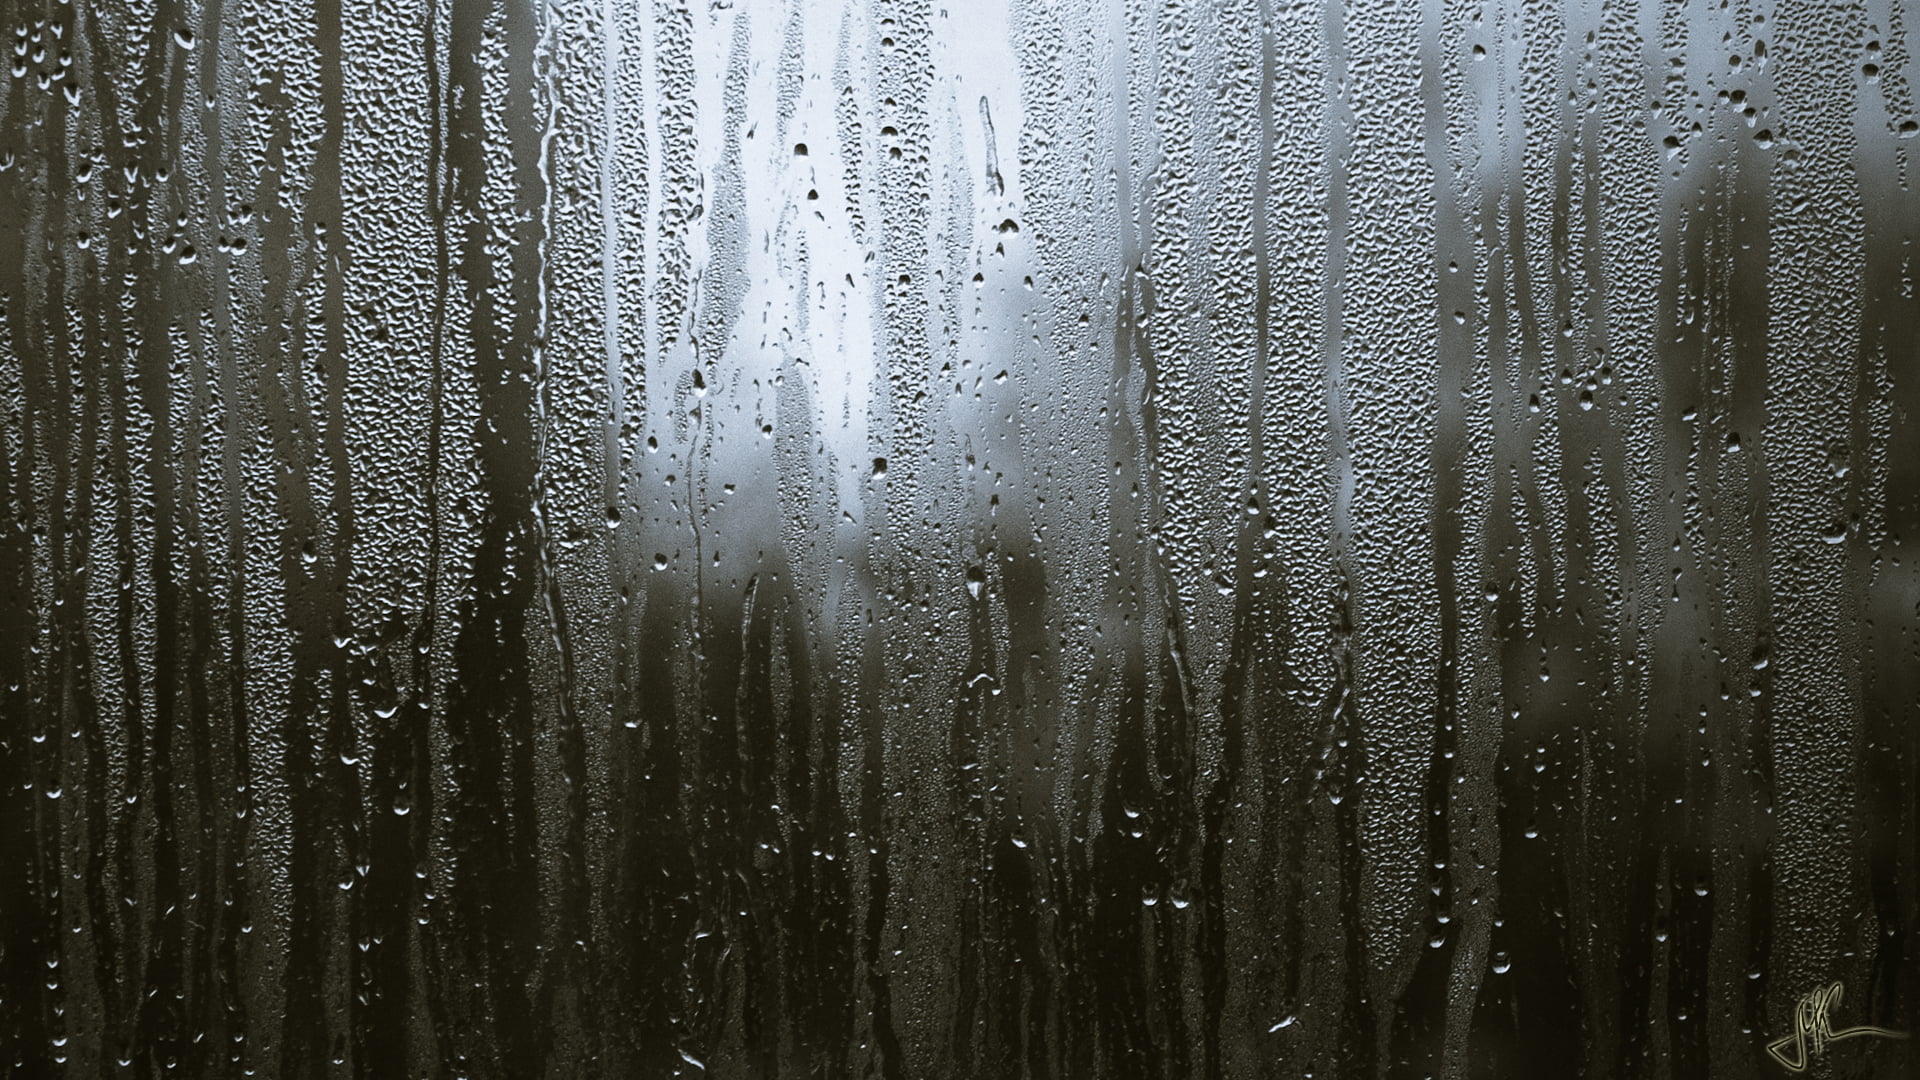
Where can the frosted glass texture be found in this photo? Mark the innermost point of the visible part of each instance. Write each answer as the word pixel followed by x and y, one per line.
pixel 934 539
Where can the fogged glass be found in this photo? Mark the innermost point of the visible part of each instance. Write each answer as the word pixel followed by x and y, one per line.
pixel 1020 538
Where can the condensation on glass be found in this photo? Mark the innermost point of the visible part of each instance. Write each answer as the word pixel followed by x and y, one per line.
pixel 971 538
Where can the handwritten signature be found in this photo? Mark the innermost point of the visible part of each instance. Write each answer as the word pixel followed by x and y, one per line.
pixel 1813 1030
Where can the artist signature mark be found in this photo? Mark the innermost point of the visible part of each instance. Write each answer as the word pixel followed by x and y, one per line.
pixel 1813 1030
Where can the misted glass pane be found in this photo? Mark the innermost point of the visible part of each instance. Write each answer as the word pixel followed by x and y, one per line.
pixel 1052 539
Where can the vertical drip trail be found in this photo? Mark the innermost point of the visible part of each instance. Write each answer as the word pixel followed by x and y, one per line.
pixel 1341 772
pixel 1886 417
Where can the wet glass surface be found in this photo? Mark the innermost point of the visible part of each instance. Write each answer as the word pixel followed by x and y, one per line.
pixel 1020 538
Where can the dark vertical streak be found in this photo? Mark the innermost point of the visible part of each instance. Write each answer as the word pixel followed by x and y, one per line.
pixel 413 772
pixel 302 1010
pixel 97 342
pixel 729 805
pixel 1236 701
pixel 57 687
pixel 27 925
pixel 1888 750
pixel 1343 752
pixel 1738 822
pixel 1605 844
pixel 1423 1041
pixel 229 885
pixel 344 924
pixel 162 1041
pixel 656 854
pixel 1540 758
pixel 496 899
pixel 569 947
pixel 899 47
pixel 654 869
pixel 969 780
pixel 1122 854
pixel 113 814
pixel 819 918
